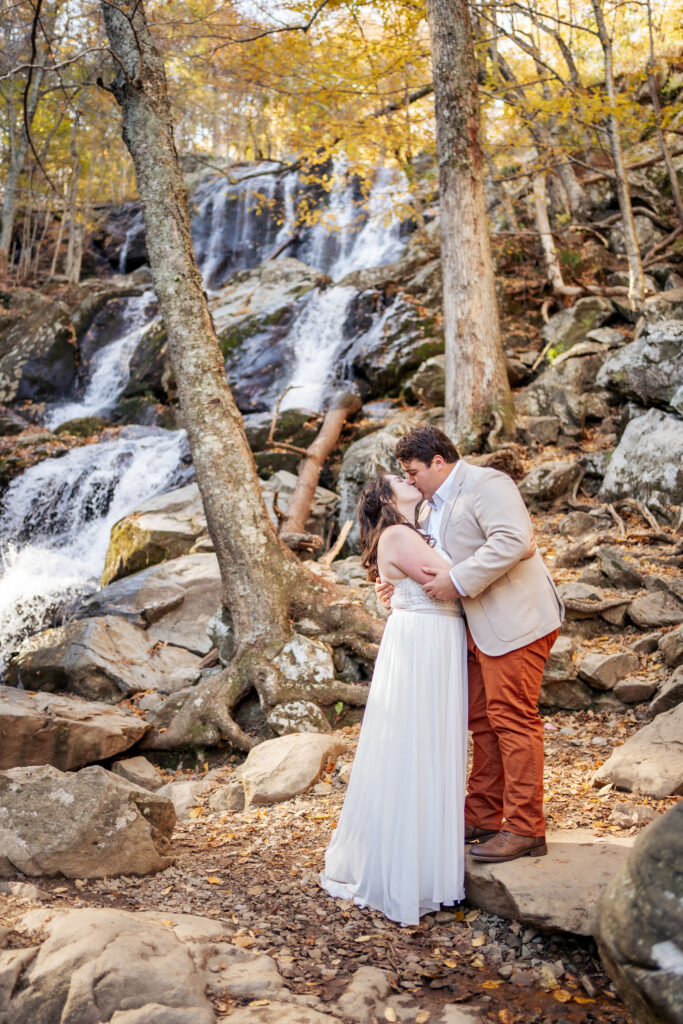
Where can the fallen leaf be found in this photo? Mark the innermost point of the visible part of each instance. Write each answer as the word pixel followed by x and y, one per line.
pixel 259 1002
pixel 450 963
pixel 195 812
pixel 390 1014
pixel 213 880
pixel 477 961
pixel 479 941
pixel 422 1017
pixel 245 941
pixel 491 984
pixel 562 995
pixel 582 999
pixel 472 915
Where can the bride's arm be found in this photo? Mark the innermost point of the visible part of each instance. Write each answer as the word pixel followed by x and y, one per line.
pixel 402 550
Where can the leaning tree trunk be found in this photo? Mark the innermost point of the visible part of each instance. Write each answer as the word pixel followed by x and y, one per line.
pixel 477 391
pixel 552 262
pixel 264 586
pixel 636 277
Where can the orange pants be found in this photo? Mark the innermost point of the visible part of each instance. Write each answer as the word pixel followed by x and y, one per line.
pixel 506 780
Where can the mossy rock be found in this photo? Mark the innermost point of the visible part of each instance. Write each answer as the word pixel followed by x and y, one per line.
pixel 83 426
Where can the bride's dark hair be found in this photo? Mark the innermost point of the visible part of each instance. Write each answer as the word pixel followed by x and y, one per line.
pixel 376 511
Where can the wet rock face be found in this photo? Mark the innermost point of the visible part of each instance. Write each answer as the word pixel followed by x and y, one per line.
pixel 122 239
pixel 90 824
pixel 637 469
pixel 384 355
pixel 37 352
pixel 640 922
pixel 649 370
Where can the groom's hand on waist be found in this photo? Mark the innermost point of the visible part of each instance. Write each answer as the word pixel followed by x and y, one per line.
pixel 384 591
pixel 441 587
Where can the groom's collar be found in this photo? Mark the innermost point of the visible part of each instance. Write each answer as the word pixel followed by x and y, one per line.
pixel 441 494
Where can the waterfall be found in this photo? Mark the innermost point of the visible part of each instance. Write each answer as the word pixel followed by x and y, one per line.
pixel 134 231
pixel 110 369
pixel 57 517
pixel 317 336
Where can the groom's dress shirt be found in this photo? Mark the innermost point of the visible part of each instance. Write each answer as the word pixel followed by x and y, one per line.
pixel 437 503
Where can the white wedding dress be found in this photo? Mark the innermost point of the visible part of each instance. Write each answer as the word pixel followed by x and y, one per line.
pixel 399 846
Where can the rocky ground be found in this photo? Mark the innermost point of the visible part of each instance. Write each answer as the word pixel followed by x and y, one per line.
pixel 255 871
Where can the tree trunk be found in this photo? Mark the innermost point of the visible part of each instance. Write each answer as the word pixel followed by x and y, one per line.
pixel 552 263
pixel 636 283
pixel 477 390
pixel 17 162
pixel 663 148
pixel 264 586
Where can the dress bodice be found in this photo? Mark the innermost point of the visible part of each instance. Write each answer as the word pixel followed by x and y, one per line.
pixel 409 596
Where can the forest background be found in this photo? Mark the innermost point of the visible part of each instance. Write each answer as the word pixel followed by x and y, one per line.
pixel 303 81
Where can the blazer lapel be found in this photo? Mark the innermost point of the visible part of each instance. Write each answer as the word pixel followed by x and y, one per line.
pixel 453 496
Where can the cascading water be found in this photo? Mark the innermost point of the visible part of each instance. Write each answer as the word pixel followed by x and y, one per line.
pixel 57 517
pixel 110 368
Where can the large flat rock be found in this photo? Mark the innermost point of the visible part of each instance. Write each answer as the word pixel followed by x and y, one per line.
pixel 89 824
pixel 173 601
pixel 650 761
pixel 558 892
pixel 104 659
pixel 66 732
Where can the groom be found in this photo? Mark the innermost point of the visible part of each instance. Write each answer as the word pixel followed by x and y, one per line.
pixel 514 614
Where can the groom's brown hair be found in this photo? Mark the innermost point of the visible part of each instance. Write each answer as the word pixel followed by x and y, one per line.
pixel 423 443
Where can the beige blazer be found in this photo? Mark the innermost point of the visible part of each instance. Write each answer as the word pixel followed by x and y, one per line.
pixel 486 531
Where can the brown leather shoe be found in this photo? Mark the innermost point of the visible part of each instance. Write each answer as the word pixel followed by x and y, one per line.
pixel 509 846
pixel 474 834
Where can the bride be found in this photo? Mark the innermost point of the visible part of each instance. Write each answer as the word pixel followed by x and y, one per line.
pixel 399 846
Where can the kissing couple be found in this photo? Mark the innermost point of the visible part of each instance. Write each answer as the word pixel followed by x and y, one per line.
pixel 474 614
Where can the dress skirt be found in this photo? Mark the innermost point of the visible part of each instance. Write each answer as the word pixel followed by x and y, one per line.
pixel 399 844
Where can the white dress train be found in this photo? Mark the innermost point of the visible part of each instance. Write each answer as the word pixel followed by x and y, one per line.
pixel 399 845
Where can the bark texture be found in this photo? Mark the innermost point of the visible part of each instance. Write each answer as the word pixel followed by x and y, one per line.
pixel 264 585
pixel 477 390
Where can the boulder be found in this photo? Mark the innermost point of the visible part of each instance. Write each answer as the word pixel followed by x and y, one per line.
pixel 619 571
pixel 562 391
pixel 66 732
pixel 101 659
pixel 571 326
pixel 428 383
pixel 602 671
pixel 558 892
pixel 90 824
pixel 671 646
pixel 365 993
pixel 184 795
pixel 279 769
pixel 548 481
pixel 650 761
pixel 560 687
pixel 640 923
pixel 542 430
pixel 648 461
pixel 670 693
pixel 647 233
pixel 37 354
pixel 140 772
pixel 174 601
pixel 634 689
pixel 649 370
pixel 656 609
pixel 577 524
pixel 112 965
pixel 161 529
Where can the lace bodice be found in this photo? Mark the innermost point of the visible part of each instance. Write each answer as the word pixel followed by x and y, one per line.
pixel 409 596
